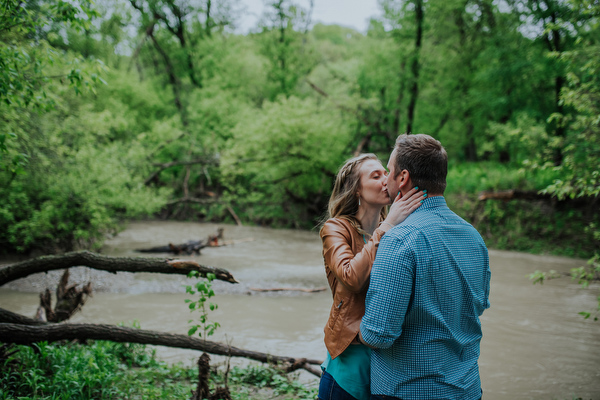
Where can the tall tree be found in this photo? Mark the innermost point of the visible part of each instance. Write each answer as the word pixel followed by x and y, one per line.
pixel 554 23
pixel 286 45
pixel 24 58
pixel 415 65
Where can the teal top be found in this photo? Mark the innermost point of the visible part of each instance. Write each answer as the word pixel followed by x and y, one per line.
pixel 351 370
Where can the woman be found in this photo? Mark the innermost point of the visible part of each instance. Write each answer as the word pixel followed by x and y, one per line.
pixel 350 238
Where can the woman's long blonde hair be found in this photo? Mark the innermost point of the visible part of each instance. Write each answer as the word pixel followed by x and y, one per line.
pixel 343 202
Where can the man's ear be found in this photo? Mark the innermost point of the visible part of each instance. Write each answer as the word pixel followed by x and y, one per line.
pixel 404 181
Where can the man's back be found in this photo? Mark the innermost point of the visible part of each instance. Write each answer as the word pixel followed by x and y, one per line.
pixel 429 285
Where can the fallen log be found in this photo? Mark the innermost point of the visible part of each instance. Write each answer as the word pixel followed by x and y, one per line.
pixel 321 289
pixel 232 242
pixel 513 195
pixel 192 246
pixel 14 318
pixel 28 334
pixel 189 247
pixel 111 264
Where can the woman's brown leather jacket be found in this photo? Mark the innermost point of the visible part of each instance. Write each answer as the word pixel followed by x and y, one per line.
pixel 348 262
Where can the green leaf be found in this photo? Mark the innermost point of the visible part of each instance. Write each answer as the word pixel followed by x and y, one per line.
pixel 192 330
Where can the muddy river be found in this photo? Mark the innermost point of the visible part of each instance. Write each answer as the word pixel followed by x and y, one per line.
pixel 535 345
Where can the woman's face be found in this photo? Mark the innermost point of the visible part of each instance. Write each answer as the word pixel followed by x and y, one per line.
pixel 373 184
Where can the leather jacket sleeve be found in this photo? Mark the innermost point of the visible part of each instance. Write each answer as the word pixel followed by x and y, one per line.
pixel 339 244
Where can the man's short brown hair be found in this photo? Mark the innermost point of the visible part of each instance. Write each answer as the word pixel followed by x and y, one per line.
pixel 425 159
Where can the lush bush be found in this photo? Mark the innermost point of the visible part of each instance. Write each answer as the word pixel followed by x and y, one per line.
pixel 522 225
pixel 84 173
pixel 279 167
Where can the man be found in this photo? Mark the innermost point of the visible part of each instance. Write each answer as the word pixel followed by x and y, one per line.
pixel 429 285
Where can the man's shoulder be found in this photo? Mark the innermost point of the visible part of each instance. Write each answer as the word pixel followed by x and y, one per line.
pixel 431 221
pixel 402 234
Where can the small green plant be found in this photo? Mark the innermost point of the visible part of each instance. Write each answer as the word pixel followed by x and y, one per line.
pixel 584 275
pixel 203 288
pixel 541 276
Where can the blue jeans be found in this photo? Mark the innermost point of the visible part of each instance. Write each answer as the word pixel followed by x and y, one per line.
pixel 330 390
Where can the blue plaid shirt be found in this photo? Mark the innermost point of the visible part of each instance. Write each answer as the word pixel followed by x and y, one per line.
pixel 429 284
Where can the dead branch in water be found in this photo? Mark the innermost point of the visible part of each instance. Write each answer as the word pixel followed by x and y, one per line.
pixel 69 300
pixel 321 289
pixel 194 246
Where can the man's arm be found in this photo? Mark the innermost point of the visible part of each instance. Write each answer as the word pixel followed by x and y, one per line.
pixel 390 290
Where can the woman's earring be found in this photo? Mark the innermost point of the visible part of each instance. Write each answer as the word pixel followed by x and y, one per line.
pixel 359 201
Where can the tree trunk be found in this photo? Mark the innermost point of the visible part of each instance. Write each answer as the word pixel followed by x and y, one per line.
pixel 470 148
pixel 208 23
pixel 414 90
pixel 110 264
pixel 555 45
pixel 282 50
pixel 26 334
pixel 175 85
pixel 399 98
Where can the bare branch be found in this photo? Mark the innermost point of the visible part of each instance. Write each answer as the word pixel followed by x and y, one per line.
pixel 110 264
pixel 191 200
pixel 513 195
pixel 163 166
pixel 138 48
pixel 28 334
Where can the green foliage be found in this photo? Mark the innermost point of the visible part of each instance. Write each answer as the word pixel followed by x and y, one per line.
pixel 579 170
pixel 281 161
pixel 96 155
pixel 522 225
pixel 135 354
pixel 22 66
pixel 61 372
pixel 26 64
pixel 521 138
pixel 203 289
pixel 107 370
pixel 274 113
pixel 100 370
pixel 288 52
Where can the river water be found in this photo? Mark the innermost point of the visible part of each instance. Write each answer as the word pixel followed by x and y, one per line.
pixel 535 345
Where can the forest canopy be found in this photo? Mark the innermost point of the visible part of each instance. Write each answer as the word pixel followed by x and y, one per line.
pixel 118 109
